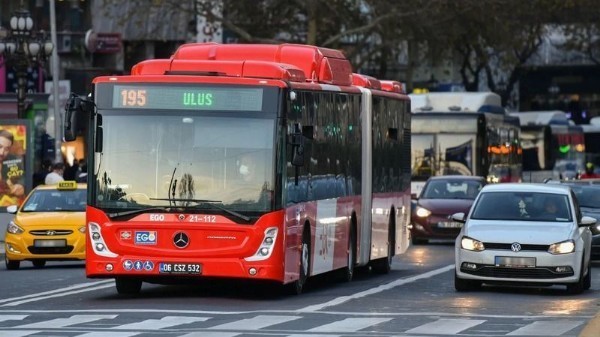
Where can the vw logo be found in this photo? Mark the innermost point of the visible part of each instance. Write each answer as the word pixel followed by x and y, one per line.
pixel 515 247
pixel 50 233
pixel 181 240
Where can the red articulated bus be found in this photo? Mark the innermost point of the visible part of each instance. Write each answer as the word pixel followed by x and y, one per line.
pixel 264 162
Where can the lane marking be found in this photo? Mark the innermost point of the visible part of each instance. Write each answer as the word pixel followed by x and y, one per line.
pixel 66 289
pixel 64 322
pixel 378 289
pixel 445 326
pixel 349 325
pixel 41 298
pixel 4 318
pixel 546 328
pixel 18 333
pixel 165 322
pixel 255 323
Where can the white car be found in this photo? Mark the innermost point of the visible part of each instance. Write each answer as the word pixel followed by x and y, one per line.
pixel 513 235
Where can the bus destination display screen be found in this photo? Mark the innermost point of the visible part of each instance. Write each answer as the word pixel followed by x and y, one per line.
pixel 187 98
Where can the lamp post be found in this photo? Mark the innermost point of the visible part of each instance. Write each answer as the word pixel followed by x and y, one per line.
pixel 21 48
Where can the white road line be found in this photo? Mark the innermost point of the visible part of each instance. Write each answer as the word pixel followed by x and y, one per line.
pixel 109 334
pixel 18 333
pixel 383 287
pixel 546 328
pixel 63 322
pixel 4 318
pixel 165 322
pixel 349 324
pixel 211 334
pixel 445 326
pixel 66 289
pixel 255 323
pixel 41 298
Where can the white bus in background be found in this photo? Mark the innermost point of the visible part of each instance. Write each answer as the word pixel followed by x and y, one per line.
pixel 553 146
pixel 466 133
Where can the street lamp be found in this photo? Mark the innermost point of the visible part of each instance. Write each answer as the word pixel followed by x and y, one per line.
pixel 23 47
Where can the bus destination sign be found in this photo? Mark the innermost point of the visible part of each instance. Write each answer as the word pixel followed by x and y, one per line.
pixel 187 98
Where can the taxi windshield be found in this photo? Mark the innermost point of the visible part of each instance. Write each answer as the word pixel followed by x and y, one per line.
pixel 56 201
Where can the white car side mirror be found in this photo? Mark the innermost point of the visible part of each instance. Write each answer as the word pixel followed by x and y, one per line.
pixel 458 217
pixel 587 221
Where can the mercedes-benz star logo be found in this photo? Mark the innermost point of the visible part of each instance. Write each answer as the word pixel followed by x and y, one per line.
pixel 181 240
pixel 515 247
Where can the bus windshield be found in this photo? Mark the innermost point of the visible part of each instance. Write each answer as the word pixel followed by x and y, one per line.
pixel 184 159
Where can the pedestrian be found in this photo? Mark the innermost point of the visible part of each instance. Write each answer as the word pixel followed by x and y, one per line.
pixel 589 172
pixel 82 173
pixel 56 175
pixel 71 171
pixel 39 177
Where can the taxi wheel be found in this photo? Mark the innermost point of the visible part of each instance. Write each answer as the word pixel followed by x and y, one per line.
pixel 39 263
pixel 128 286
pixel 11 265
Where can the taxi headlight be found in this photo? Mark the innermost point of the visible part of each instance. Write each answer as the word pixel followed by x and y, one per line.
pixel 564 247
pixel 471 244
pixel 422 212
pixel 14 229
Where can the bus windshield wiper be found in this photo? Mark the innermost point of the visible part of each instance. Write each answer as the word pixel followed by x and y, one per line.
pixel 212 203
pixel 137 211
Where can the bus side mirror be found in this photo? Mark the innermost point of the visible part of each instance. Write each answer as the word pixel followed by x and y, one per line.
pixel 71 111
pixel 75 106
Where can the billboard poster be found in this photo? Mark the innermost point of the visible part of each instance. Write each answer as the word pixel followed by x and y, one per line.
pixel 15 161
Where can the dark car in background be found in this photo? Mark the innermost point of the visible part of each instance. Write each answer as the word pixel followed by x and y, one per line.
pixel 441 197
pixel 588 196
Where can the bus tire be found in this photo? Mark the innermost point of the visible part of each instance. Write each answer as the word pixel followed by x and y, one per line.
pixel 384 265
pixel 128 286
pixel 347 273
pixel 304 265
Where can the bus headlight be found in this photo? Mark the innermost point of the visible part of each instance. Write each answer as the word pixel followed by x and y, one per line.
pixel 266 247
pixel 99 246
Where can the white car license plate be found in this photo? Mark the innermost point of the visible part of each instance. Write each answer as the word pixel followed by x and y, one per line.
pixel 515 262
pixel 449 224
pixel 179 268
pixel 50 243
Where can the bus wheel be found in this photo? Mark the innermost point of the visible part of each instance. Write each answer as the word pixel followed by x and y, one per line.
pixel 304 262
pixel 11 265
pixel 128 286
pixel 347 274
pixel 39 263
pixel 384 265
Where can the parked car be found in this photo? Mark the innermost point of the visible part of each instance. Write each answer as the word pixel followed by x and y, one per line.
pixel 527 234
pixel 49 225
pixel 588 195
pixel 441 197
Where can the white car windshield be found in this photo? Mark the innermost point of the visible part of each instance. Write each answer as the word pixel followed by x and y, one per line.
pixel 527 206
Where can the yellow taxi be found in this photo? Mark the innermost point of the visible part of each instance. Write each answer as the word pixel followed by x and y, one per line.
pixel 49 225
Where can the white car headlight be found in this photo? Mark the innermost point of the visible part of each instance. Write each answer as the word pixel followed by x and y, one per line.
pixel 471 244
pixel 564 247
pixel 422 212
pixel 13 228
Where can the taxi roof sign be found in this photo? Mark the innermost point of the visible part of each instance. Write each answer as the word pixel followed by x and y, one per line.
pixel 67 185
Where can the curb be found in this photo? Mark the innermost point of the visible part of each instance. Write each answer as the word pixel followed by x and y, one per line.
pixel 592 328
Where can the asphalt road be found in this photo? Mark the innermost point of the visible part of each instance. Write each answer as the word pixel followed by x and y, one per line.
pixel 416 299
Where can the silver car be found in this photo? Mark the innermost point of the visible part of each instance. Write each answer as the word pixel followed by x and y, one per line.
pixel 528 234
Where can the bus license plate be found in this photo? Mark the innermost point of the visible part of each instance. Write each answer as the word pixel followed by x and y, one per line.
pixel 179 268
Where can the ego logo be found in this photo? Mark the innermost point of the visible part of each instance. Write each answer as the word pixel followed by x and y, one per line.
pixel 145 238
